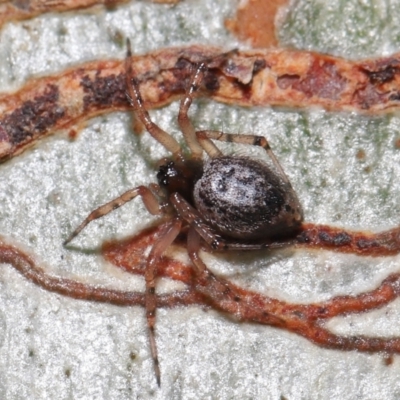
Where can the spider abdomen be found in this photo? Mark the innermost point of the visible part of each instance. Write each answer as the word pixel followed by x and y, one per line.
pixel 243 198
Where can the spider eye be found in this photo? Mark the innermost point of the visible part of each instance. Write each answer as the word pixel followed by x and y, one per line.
pixel 166 172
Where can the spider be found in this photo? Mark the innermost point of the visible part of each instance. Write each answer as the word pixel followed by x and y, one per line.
pixel 229 202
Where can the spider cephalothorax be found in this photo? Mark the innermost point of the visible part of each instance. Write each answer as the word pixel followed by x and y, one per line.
pixel 180 177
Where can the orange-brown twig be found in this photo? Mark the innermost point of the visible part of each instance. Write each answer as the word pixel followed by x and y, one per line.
pixel 247 78
pixel 10 254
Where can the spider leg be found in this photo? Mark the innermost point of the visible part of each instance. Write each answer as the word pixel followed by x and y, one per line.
pixel 135 99
pixel 149 200
pixel 193 247
pixel 251 140
pixel 208 146
pixel 184 122
pixel 210 236
pixel 222 293
pixel 168 234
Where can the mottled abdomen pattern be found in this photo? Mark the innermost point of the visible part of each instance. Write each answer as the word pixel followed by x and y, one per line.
pixel 245 199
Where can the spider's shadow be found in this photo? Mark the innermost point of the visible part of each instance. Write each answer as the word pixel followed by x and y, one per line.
pixel 84 250
pixel 245 263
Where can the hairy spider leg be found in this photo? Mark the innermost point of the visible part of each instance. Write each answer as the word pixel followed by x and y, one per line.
pixel 200 140
pixel 136 101
pixel 226 295
pixel 168 234
pixel 149 200
pixel 251 140
pixel 184 122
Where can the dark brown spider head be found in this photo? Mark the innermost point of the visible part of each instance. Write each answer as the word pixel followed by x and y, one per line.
pixel 180 177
